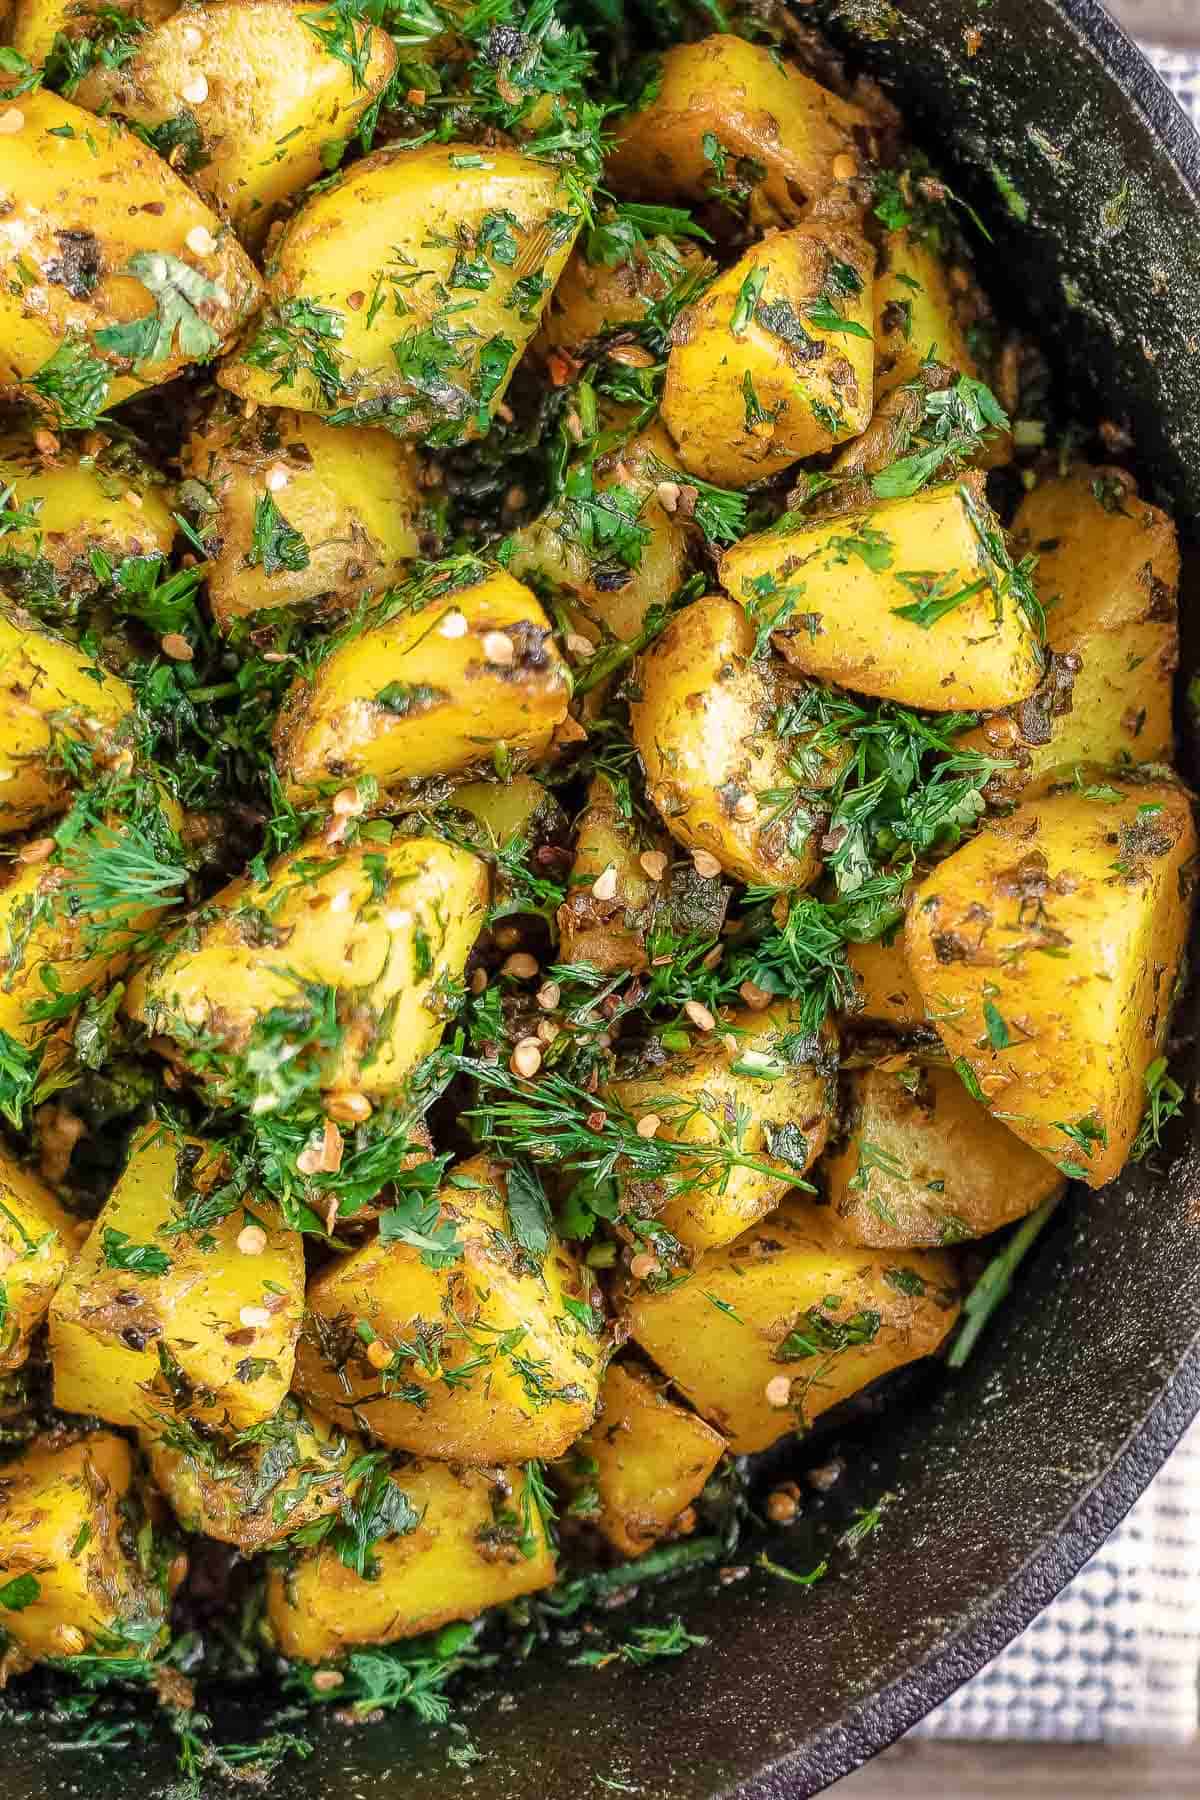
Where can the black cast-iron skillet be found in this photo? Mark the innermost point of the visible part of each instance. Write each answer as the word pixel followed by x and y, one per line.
pixel 1007 1476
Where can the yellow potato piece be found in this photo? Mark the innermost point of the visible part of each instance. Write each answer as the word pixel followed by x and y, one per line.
pixel 607 930
pixel 34 24
pixel 77 203
pixel 37 1239
pixel 770 1100
pixel 810 1317
pixel 759 108
pixel 212 1337
pixel 922 1163
pixel 703 722
pixel 430 690
pixel 885 984
pixel 1060 930
pixel 81 505
pixel 844 577
pixel 48 687
pixel 65 1527
pixel 377 314
pixel 762 373
pixel 388 927
pixel 488 1359
pixel 593 298
pixel 643 1462
pixel 480 1543
pixel 353 496
pixel 292 1472
pixel 274 95
pixel 915 316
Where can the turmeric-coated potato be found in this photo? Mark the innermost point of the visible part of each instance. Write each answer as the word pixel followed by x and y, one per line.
pixel 1108 575
pixel 70 1568
pixel 725 112
pixel 905 601
pixel 278 85
pixel 706 721
pixel 431 688
pixel 922 1163
pixel 49 690
pixel 915 317
pixel 885 984
pixel 472 1539
pixel 33 26
pixel 609 928
pixel 501 812
pixel 769 1332
pixel 1047 949
pixel 302 511
pixel 758 1113
pixel 642 1463
pixel 255 1489
pixel 113 274
pixel 85 516
pixel 492 1349
pixel 775 360
pixel 157 1315
pixel 37 1239
pixel 593 298
pixel 386 929
pixel 404 294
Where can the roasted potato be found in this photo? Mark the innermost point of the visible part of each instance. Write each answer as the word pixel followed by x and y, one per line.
pixel 34 24
pixel 404 294
pixel 261 91
pixel 769 1332
pixel 705 721
pixel 503 811
pixel 1046 951
pixel 428 688
pixel 875 588
pixel 477 1540
pixel 609 929
pixel 157 1316
pixel 37 1239
pixel 86 516
pixel 491 1354
pixel 915 316
pixel 593 298
pixel 886 987
pixel 387 927
pixel 922 1163
pixel 1108 576
pixel 49 689
pixel 725 112
pixel 254 1491
pixel 642 1463
pixel 775 360
pixel 113 274
pixel 757 1087
pixel 71 1570
pixel 301 511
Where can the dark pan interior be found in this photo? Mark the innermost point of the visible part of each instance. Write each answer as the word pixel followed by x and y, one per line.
pixel 1007 1476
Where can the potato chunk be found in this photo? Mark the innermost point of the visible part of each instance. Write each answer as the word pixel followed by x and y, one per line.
pixel 276 93
pixel 388 928
pixel 102 507
pixel 430 689
pixel 302 511
pixel 607 930
pixel 492 1352
pixel 34 24
pixel 592 298
pixel 860 582
pixel 151 1318
pixel 37 1239
pixel 1047 948
pixel 775 360
pixel 915 316
pixel 724 95
pixel 705 724
pixel 886 987
pixel 48 688
pixel 481 1542
pixel 643 1462
pixel 1108 575
pixel 69 1567
pixel 923 1163
pixel 256 1490
pixel 377 311
pixel 106 229
pixel 769 1101
pixel 788 1320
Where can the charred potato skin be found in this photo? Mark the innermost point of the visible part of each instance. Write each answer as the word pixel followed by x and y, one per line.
pixel 1104 886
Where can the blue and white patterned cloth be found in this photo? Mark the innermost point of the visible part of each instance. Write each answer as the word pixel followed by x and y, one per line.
pixel 1116 1658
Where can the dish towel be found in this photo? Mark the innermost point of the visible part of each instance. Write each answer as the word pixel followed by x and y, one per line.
pixel 1116 1658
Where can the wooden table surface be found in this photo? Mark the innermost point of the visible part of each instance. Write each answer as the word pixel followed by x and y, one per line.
pixel 916 1770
